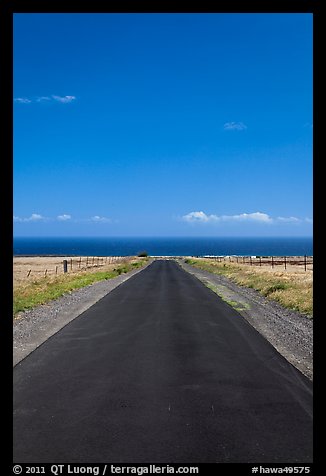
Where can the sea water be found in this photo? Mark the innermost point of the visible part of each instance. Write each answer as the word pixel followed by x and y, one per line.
pixel 163 246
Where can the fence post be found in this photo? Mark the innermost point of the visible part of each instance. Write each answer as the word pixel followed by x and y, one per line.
pixel 305 262
pixel 71 264
pixel 65 266
pixel 79 262
pixel 284 262
pixel 259 260
pixel 29 272
pixel 45 273
pixel 56 270
pixel 250 261
pixel 272 262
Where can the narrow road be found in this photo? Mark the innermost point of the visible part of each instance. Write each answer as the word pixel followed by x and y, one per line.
pixel 160 370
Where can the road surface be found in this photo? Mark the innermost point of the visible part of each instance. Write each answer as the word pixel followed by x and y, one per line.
pixel 160 370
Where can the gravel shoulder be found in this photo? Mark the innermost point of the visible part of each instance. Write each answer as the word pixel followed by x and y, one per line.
pixel 290 332
pixel 33 327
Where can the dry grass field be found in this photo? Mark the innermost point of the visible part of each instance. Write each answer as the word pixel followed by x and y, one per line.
pixel 37 280
pixel 288 284
pixel 29 269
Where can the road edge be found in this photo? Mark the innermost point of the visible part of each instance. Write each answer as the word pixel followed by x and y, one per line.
pixel 289 332
pixel 28 336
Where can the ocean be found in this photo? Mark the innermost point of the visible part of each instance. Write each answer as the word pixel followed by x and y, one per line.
pixel 162 246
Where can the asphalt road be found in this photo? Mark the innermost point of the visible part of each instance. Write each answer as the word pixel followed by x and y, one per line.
pixel 160 370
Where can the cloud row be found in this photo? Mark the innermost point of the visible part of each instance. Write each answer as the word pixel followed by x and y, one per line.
pixel 65 217
pixel 256 217
pixel 192 217
pixel 61 99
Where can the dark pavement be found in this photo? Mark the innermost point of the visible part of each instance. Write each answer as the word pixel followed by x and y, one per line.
pixel 160 370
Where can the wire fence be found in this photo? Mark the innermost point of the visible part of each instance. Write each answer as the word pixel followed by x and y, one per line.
pixel 55 266
pixel 71 265
pixel 305 262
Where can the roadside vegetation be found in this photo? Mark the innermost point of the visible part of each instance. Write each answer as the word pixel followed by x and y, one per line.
pixel 293 289
pixel 29 294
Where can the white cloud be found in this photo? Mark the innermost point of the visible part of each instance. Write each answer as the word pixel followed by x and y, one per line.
pixel 199 217
pixel 288 219
pixel 63 217
pixel 257 217
pixel 234 126
pixel 33 218
pixel 43 98
pixel 98 219
pixel 64 99
pixel 22 100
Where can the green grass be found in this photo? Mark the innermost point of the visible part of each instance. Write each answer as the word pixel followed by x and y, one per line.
pixel 44 290
pixel 239 306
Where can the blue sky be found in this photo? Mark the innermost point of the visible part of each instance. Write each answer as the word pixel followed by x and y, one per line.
pixel 162 124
